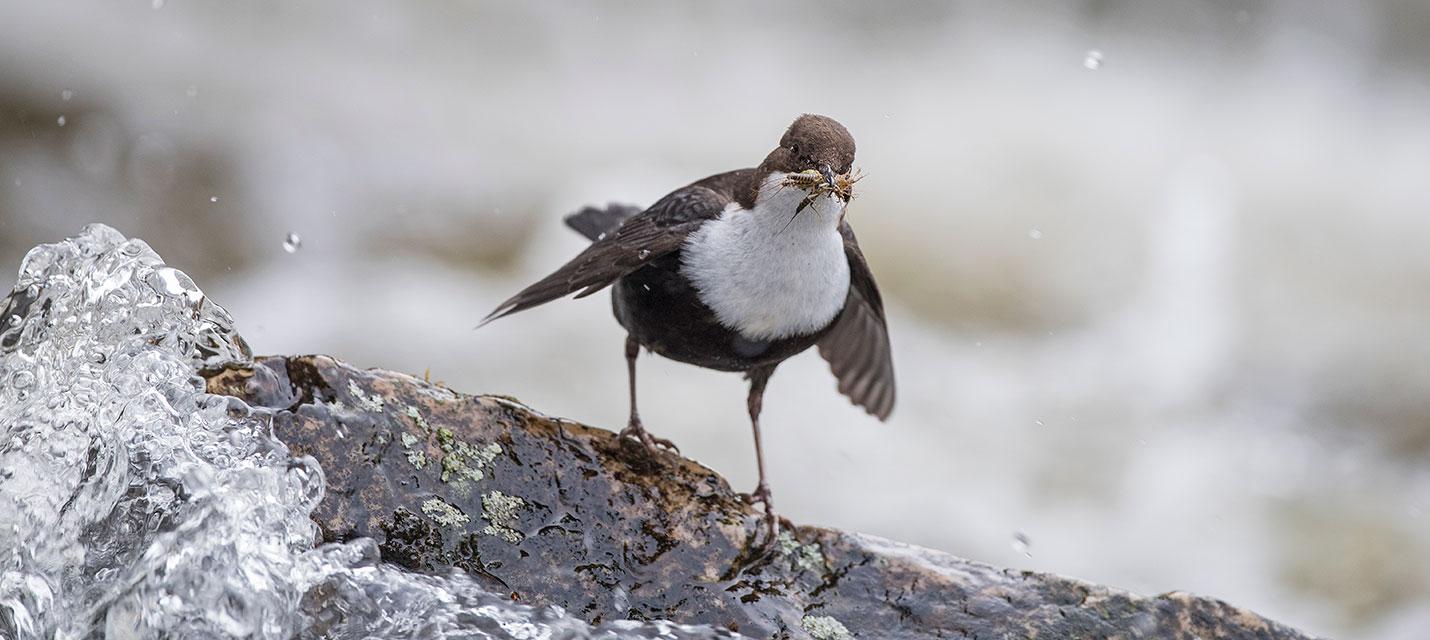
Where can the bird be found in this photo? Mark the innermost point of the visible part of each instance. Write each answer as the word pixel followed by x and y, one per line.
pixel 738 272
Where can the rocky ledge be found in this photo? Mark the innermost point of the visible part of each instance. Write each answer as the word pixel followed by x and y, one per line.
pixel 559 513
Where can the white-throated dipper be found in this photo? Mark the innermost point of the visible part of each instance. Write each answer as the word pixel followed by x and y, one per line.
pixel 738 272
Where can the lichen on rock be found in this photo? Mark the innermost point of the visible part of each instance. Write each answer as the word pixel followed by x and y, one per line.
pixel 825 628
pixel 445 514
pixel 416 457
pixel 805 556
pixel 464 461
pixel 502 510
pixel 461 462
pixel 373 403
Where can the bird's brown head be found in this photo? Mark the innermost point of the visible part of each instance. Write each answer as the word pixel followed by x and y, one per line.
pixel 812 143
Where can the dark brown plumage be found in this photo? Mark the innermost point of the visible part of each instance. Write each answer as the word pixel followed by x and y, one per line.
pixel 640 254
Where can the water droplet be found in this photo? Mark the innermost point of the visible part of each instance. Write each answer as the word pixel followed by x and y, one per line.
pixel 601 236
pixel 192 91
pixel 66 95
pixel 61 121
pixel 1022 544
pixel 646 287
pixel 643 254
pixel 157 4
pixel 1036 234
pixel 213 198
pixel 1093 60
pixel 292 243
pixel 1038 422
pixel 22 379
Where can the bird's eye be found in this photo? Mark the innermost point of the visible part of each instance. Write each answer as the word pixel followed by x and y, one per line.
pixel 794 148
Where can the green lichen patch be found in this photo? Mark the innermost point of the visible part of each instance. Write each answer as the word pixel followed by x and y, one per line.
pixel 416 457
pixel 461 461
pixel 464 461
pixel 825 628
pixel 501 510
pixel 371 403
pixel 445 514
pixel 806 556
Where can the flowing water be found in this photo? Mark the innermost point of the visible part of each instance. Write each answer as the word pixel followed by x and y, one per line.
pixel 134 505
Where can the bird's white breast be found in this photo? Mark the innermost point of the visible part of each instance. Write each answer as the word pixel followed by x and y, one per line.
pixel 766 272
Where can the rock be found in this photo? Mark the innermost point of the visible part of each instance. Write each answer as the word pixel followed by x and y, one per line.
pixel 559 513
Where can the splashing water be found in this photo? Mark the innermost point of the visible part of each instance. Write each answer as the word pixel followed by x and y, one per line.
pixel 135 505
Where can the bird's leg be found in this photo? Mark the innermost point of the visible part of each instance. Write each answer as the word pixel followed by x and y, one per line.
pixel 634 429
pixel 755 403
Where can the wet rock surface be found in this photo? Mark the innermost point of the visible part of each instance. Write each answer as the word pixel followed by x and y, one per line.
pixel 559 513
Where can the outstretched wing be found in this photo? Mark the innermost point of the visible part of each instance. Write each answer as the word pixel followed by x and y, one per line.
pixel 857 347
pixel 642 238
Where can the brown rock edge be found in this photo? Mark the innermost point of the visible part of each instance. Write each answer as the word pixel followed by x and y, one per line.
pixel 560 513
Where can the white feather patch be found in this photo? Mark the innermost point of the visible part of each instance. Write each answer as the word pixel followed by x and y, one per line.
pixel 767 273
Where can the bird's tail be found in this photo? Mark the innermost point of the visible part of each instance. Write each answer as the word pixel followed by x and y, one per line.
pixel 596 222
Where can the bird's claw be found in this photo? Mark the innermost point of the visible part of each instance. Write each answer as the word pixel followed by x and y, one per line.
pixel 652 444
pixel 761 495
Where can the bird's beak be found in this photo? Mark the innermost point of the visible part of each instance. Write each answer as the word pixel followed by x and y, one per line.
pixel 827 173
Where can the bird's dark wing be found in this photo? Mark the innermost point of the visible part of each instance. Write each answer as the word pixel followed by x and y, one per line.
pixel 648 235
pixel 857 347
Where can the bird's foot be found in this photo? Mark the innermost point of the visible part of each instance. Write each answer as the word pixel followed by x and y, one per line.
pixel 637 432
pixel 761 495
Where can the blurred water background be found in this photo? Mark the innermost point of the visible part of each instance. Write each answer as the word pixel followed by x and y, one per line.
pixel 1157 272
